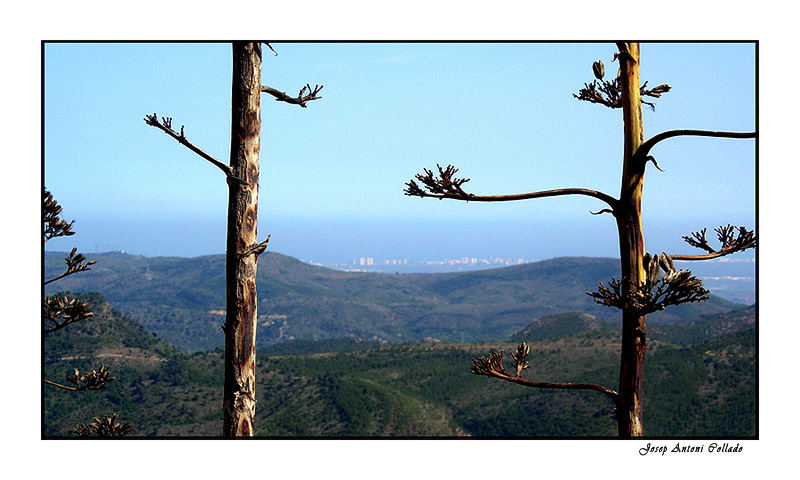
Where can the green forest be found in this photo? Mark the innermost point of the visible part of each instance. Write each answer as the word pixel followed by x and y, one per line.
pixel 698 384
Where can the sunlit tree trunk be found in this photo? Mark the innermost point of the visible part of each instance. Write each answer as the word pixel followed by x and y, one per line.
pixel 240 324
pixel 631 245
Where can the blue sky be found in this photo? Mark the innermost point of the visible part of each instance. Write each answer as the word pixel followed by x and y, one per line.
pixel 332 174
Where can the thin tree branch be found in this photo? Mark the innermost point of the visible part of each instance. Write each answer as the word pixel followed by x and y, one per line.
pixel 744 240
pixel 301 97
pixel 611 201
pixel 270 47
pixel 644 148
pixel 709 256
pixel 446 186
pixel 93 380
pixel 166 127
pixel 492 366
pixel 65 274
pixel 76 262
pixel 48 382
pixel 566 386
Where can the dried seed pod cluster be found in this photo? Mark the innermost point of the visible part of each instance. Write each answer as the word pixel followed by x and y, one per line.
pixel 609 93
pixel 104 427
pixel 491 365
pixel 673 288
pixel 445 184
pixel 520 355
pixel 60 311
pixel 53 224
pixel 76 262
pixel 732 239
pixel 92 380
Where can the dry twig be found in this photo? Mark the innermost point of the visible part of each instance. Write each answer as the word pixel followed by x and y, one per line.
pixel 92 380
pixel 446 185
pixel 165 125
pixel 306 94
pixel 492 366
pixel 730 241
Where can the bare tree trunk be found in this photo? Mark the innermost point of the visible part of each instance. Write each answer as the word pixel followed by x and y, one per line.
pixel 240 323
pixel 631 244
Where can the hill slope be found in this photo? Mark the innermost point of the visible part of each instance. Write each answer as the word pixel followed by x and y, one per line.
pixel 682 332
pixel 406 390
pixel 183 299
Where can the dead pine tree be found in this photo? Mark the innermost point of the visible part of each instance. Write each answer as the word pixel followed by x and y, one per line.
pixel 242 247
pixel 648 283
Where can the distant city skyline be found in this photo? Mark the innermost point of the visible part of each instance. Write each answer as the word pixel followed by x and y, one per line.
pixel 332 174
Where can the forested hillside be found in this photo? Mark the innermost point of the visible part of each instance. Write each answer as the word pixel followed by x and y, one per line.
pixel 702 388
pixel 182 299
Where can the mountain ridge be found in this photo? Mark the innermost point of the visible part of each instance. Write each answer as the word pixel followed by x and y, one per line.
pixel 183 299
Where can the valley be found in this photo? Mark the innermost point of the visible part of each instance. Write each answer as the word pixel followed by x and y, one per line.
pixel 370 355
pixel 182 300
pixel 703 387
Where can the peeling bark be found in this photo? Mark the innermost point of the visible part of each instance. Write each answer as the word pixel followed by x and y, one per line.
pixel 239 401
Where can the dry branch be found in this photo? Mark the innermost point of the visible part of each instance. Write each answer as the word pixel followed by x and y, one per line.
pixel 448 186
pixel 166 126
pixel 76 262
pixel 92 380
pixel 306 94
pixel 644 149
pixel 742 241
pixel 492 366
